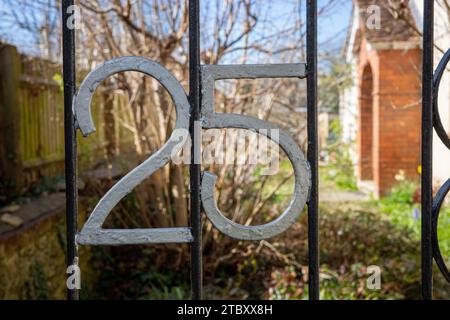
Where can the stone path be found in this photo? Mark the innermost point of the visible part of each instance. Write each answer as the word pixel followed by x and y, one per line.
pixel 343 196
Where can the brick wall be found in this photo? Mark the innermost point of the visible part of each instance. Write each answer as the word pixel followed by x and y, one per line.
pixel 396 128
pixel 365 128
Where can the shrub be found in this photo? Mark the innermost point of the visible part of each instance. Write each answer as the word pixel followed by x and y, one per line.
pixel 350 241
pixel 339 169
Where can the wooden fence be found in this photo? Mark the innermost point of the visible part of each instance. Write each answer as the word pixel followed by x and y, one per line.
pixel 32 123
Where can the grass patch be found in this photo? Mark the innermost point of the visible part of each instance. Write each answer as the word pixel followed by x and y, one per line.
pixel 402 208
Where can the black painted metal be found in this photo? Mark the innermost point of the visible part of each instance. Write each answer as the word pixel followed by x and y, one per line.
pixel 313 155
pixel 439 199
pixel 441 132
pixel 70 139
pixel 427 150
pixel 195 168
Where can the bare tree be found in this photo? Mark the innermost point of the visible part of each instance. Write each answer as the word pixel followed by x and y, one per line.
pixel 233 31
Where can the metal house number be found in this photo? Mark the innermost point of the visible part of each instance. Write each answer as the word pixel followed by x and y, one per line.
pixel 93 232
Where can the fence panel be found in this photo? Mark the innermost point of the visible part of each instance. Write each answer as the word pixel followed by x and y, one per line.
pixel 32 122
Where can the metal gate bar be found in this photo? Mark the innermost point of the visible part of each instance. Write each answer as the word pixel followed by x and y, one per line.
pixel 195 167
pixel 69 69
pixel 313 144
pixel 427 150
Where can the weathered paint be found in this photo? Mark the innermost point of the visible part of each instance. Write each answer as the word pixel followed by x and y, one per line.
pixel 211 120
pixel 92 232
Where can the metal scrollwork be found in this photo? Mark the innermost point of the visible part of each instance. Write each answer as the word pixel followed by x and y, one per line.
pixel 210 120
pixel 442 193
pixel 437 123
pixel 437 203
pixel 92 232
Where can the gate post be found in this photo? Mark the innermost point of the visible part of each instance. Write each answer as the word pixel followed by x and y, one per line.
pixel 313 151
pixel 70 134
pixel 427 150
pixel 195 168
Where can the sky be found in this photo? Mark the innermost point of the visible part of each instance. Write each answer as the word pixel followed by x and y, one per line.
pixel 277 15
pixel 336 23
pixel 331 27
pixel 333 23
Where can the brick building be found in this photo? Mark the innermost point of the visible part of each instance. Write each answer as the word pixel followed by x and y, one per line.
pixel 381 111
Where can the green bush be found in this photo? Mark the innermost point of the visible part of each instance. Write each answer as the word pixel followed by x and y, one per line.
pixel 350 241
pixel 140 272
pixel 339 169
pixel 353 236
pixel 401 207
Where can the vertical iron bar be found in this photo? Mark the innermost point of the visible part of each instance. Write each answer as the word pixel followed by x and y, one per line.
pixel 68 36
pixel 195 168
pixel 427 149
pixel 313 203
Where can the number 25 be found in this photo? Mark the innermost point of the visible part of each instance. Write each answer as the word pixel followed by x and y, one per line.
pixel 93 233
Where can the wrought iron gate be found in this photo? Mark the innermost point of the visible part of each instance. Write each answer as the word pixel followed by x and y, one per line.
pixel 198 106
pixel 430 120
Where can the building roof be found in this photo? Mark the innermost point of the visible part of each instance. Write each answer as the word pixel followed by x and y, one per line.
pixel 397 23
